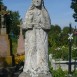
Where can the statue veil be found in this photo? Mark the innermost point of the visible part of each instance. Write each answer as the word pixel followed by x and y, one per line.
pixel 44 12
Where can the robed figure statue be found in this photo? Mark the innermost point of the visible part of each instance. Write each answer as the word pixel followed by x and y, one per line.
pixel 36 25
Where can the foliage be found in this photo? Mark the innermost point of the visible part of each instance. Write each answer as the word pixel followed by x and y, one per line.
pixel 74 52
pixel 64 53
pixel 58 73
pixel 64 35
pixel 59 37
pixel 14 46
pixel 57 29
pixel 58 42
pixel 74 7
pixel 7 61
pixel 66 30
pixel 1 3
pixel 12 22
pixel 19 59
pixel 11 19
pixel 50 67
pixel 60 53
pixel 54 36
pixel 75 39
pixel 75 73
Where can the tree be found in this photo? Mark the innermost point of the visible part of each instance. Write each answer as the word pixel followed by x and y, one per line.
pixel 54 37
pixel 66 30
pixel 64 35
pixel 57 29
pixel 74 7
pixel 11 19
pixel 1 3
pixel 12 22
pixel 15 18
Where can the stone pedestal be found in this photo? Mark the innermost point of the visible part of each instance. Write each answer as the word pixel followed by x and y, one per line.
pixel 38 75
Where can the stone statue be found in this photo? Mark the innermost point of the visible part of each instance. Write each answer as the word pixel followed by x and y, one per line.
pixel 37 24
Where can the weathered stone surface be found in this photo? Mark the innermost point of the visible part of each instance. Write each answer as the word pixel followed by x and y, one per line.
pixel 4 46
pixel 21 44
pixel 37 17
pixel 39 75
pixel 23 74
pixel 36 45
pixel 2 25
pixel 36 24
pixel 3 31
pixel 5 50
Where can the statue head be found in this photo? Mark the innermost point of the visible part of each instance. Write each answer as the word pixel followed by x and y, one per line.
pixel 37 3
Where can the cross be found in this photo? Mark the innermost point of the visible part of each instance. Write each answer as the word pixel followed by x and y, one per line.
pixel 2 14
pixel 70 38
pixel 70 44
pixel 20 25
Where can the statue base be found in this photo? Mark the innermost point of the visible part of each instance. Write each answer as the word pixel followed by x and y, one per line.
pixel 23 74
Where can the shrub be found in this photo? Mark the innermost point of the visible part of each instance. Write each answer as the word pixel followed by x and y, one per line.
pixel 19 59
pixel 75 74
pixel 58 73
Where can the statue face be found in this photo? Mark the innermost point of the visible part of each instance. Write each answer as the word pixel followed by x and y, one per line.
pixel 37 2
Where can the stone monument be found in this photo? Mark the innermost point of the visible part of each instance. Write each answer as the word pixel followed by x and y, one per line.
pixel 36 25
pixel 4 39
pixel 21 44
pixel 4 46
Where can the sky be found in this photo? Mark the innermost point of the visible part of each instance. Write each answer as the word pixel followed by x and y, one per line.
pixel 59 10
